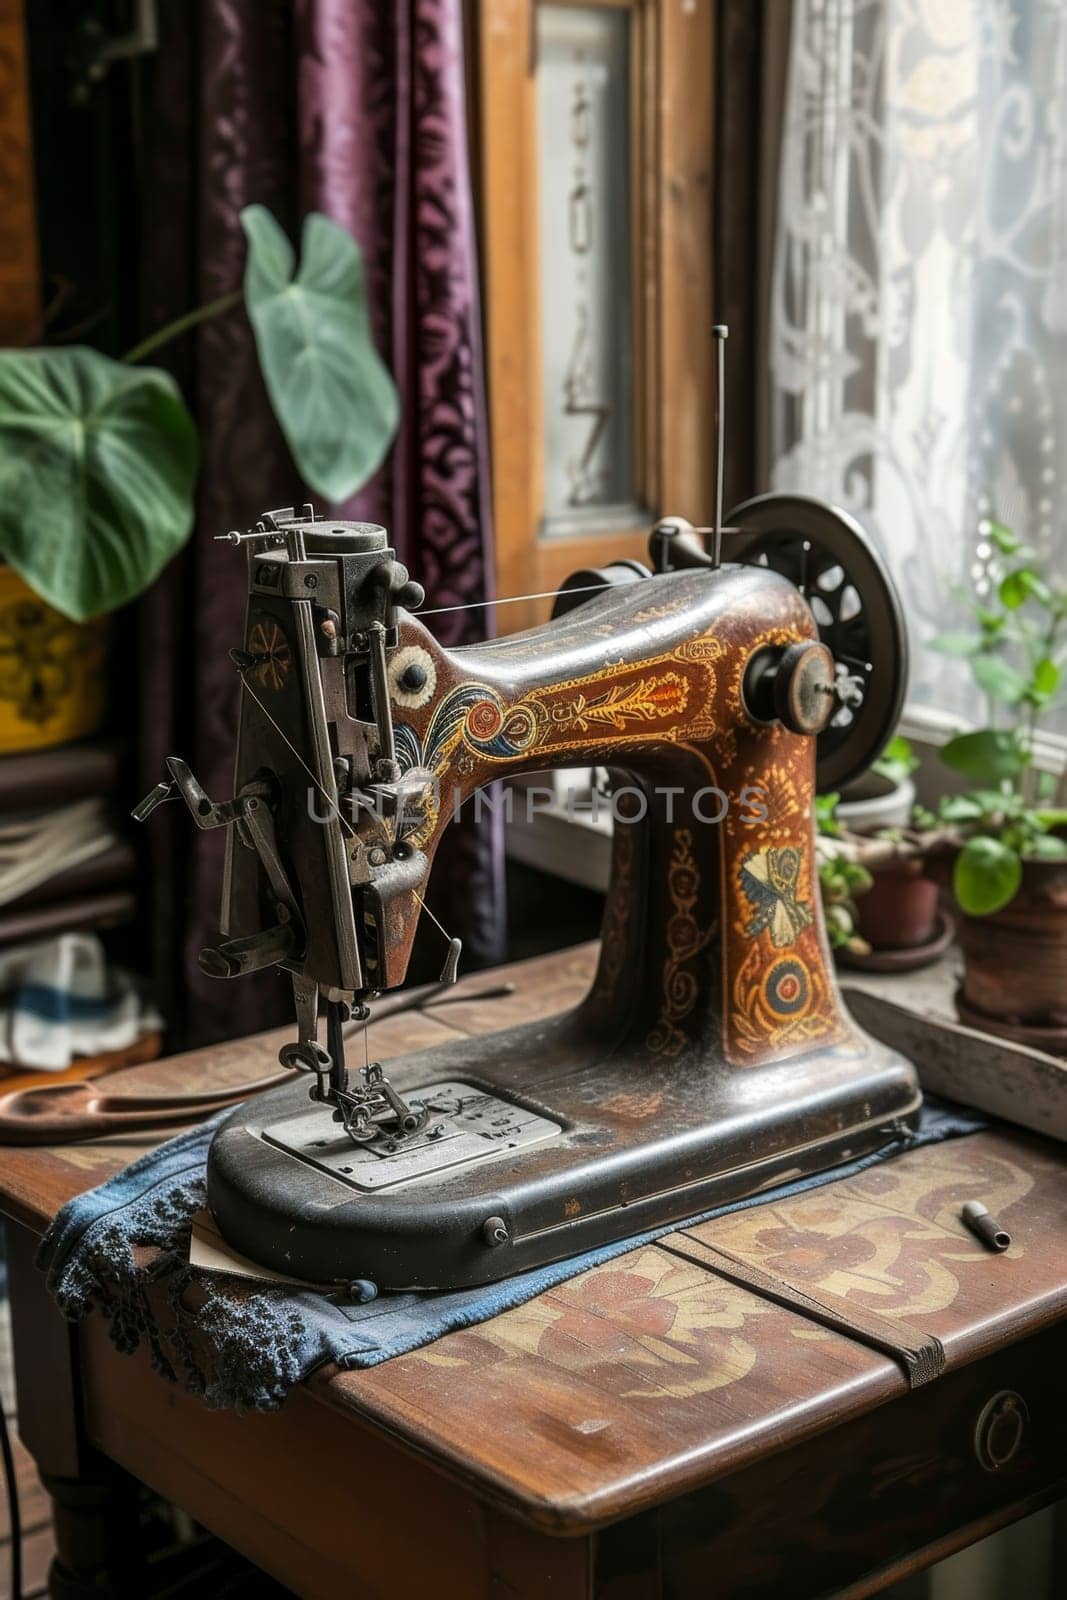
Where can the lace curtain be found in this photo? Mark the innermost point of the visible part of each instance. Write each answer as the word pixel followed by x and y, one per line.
pixel 919 290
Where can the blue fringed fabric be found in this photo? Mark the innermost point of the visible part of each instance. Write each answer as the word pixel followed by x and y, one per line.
pixel 123 1250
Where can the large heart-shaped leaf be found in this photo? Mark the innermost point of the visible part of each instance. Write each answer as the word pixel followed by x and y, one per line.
pixel 97 467
pixel 987 756
pixel 986 876
pixel 331 392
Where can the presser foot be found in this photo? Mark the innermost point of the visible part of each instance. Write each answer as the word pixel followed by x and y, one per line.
pixel 375 1113
pixel 371 1111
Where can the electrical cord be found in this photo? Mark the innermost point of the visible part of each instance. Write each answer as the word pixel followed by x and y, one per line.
pixel 14 1514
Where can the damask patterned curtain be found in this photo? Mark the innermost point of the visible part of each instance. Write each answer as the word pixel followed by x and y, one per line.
pixel 919 294
pixel 355 108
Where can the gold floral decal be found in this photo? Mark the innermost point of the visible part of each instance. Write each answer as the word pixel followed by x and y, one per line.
pixel 617 914
pixel 270 647
pixel 479 716
pixel 770 880
pixel 644 701
pixel 774 1006
pixel 685 940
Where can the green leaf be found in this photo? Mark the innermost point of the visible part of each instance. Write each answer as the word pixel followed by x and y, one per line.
pixel 826 814
pixel 1017 587
pixel 999 679
pixel 986 876
pixel 1013 591
pixel 331 393
pixel 1006 541
pixel 839 927
pixel 897 761
pixel 1002 799
pixel 97 467
pixel 961 808
pixel 1047 846
pixel 985 757
pixel 956 644
pixel 1046 677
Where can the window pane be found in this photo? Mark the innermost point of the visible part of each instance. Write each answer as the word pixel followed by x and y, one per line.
pixel 919 305
pixel 586 293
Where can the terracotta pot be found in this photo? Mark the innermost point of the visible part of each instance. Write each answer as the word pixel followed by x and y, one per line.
pixel 52 683
pixel 899 910
pixel 1015 961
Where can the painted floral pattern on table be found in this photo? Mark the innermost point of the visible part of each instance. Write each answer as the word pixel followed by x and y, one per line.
pixel 655 1326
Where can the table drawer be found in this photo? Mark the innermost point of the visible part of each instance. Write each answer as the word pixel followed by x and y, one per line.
pixel 930 1471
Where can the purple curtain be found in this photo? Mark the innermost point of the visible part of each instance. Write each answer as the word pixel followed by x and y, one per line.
pixel 355 108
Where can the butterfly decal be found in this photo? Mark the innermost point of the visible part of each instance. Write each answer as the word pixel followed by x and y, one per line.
pixel 769 879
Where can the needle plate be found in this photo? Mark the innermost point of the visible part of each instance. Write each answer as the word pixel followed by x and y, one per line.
pixel 466 1124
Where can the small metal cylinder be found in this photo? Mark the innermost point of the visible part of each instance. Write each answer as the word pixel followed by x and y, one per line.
pixel 984 1227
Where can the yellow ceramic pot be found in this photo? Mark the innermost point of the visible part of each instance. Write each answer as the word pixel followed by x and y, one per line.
pixel 52 682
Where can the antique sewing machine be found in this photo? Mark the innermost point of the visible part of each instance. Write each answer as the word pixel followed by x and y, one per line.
pixel 712 1056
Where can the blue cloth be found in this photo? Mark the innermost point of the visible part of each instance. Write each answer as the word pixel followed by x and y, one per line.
pixel 245 1345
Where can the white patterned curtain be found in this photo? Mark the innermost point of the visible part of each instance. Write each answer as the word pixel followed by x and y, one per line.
pixel 919 292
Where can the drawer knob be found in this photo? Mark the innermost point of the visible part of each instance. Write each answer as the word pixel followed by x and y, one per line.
pixel 998 1433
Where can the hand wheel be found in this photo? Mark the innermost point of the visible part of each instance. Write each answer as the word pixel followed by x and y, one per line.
pixel 833 563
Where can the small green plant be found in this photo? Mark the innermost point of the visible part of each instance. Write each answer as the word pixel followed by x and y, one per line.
pixel 1016 653
pixel 840 880
pixel 897 761
pixel 826 818
pixel 98 458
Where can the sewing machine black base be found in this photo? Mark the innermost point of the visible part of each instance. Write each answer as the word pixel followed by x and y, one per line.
pixel 642 1145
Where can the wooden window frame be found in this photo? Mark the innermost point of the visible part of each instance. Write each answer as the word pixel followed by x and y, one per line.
pixel 672 156
pixel 20 292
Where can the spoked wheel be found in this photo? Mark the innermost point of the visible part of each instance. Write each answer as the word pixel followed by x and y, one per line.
pixel 831 560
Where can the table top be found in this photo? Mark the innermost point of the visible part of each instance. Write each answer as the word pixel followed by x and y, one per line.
pixel 646 1377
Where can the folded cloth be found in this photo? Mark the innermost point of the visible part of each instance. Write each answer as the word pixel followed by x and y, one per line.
pixel 245 1346
pixel 39 846
pixel 60 999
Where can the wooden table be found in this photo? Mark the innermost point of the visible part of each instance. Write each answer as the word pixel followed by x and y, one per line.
pixel 646 1429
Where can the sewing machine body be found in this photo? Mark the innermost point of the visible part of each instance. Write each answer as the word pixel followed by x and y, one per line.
pixel 712 1056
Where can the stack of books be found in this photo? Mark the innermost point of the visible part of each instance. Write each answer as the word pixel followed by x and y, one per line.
pixel 62 863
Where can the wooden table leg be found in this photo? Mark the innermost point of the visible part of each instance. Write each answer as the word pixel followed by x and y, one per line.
pixel 94 1502
pixel 526 1565
pixel 97 1533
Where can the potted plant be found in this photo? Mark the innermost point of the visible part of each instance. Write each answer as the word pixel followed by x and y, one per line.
pixel 884 796
pixel 886 837
pixel 1009 863
pixel 98 463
